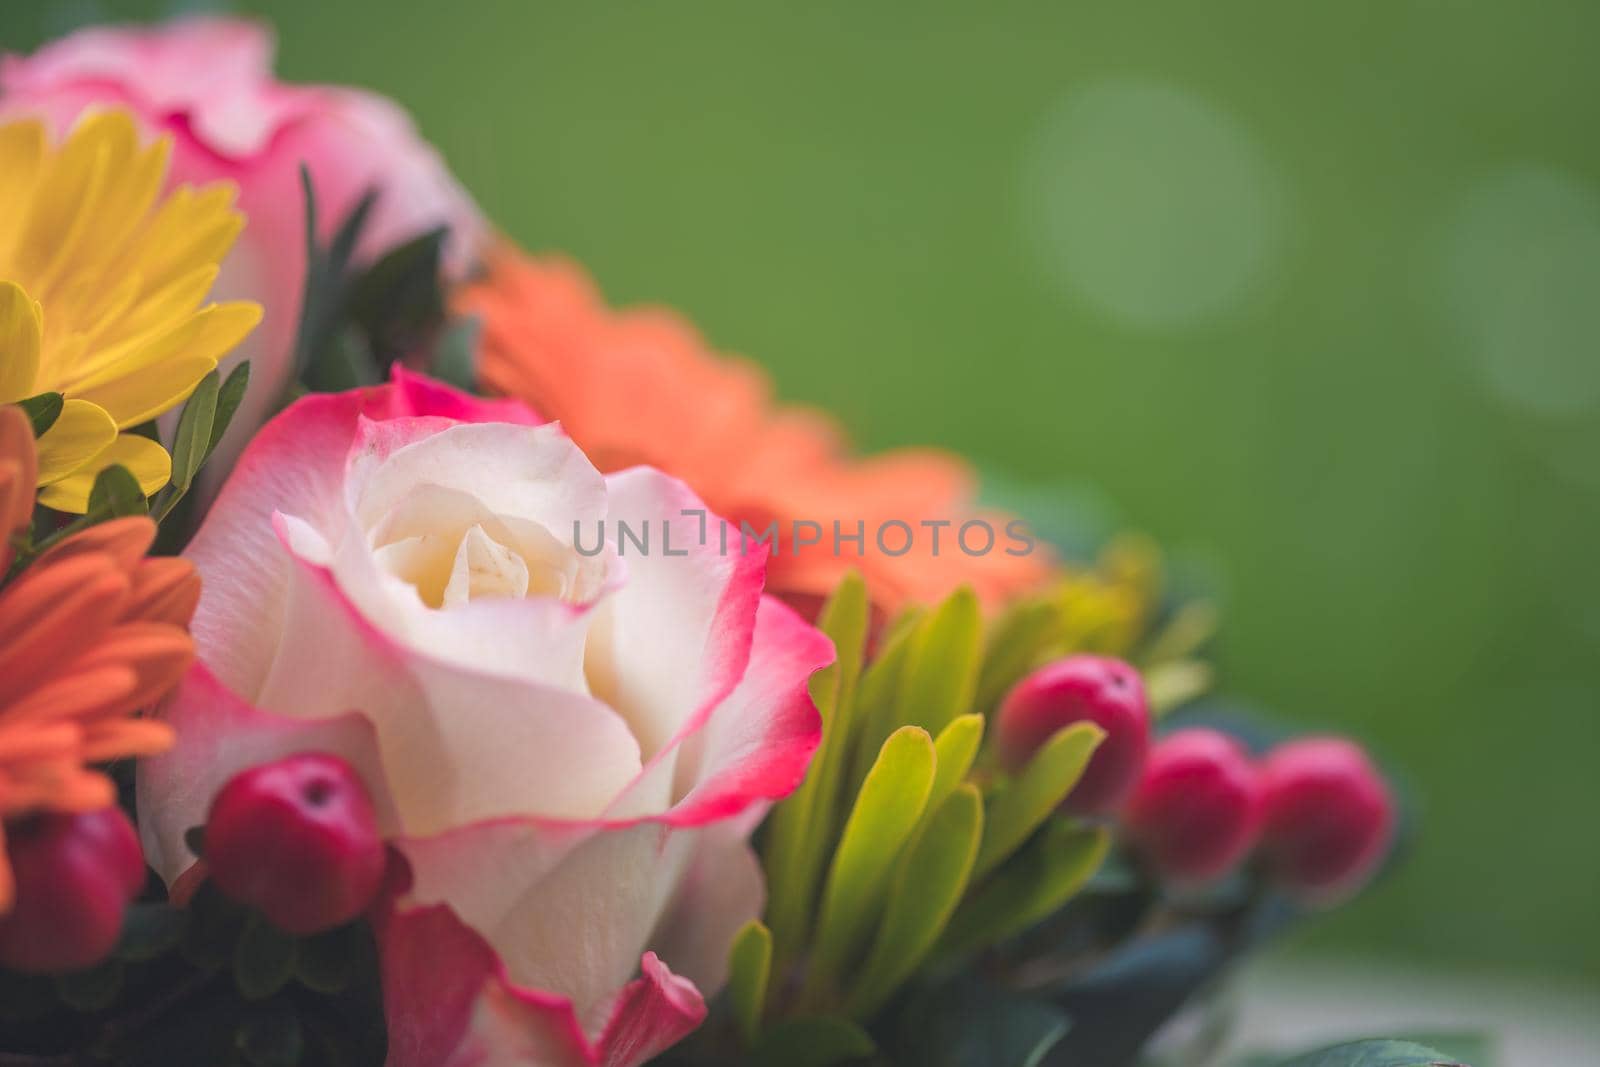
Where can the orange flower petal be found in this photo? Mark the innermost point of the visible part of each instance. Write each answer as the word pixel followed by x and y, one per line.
pixel 156 652
pixel 164 590
pixel 82 694
pixel 124 540
pixel 51 612
pixel 123 738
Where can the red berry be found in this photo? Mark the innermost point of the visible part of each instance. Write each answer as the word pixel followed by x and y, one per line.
pixel 1197 808
pixel 1329 816
pixel 1106 692
pixel 297 840
pixel 75 875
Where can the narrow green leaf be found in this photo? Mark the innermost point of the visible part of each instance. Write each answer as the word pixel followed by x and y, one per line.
pixel 234 386
pixel 956 747
pixel 941 670
pixel 1172 685
pixel 928 884
pixel 813 1042
pixel 800 835
pixel 875 703
pixel 42 411
pixel 193 439
pixel 1018 807
pixel 116 493
pixel 1037 882
pixel 749 968
pixel 1016 643
pixel 455 354
pixel 1375 1054
pixel 886 810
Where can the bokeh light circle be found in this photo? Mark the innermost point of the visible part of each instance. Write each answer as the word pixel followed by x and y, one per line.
pixel 1519 270
pixel 1153 204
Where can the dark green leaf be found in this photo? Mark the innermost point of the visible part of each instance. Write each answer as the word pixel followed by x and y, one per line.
pixel 42 410
pixel 398 300
pixel 149 930
pixel 215 924
pixel 327 963
pixel 974 1024
pixel 264 960
pixel 1380 1053
pixel 229 397
pixel 455 354
pixel 92 990
pixel 345 362
pixel 193 440
pixel 271 1037
pixel 116 493
pixel 812 1042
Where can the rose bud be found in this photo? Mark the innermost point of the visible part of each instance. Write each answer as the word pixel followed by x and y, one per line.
pixel 1329 816
pixel 75 875
pixel 298 841
pixel 1197 808
pixel 1097 689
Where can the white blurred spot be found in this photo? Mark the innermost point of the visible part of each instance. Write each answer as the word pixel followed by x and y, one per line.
pixel 1153 204
pixel 1519 267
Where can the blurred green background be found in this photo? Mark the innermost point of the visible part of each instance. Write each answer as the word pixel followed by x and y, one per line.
pixel 1310 291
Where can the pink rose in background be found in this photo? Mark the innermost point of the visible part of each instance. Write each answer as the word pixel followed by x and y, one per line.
pixel 567 747
pixel 208 83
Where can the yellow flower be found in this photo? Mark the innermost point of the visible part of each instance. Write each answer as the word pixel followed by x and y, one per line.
pixel 101 284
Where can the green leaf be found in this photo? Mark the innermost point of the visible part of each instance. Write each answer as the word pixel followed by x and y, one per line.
pixel 234 387
pixel 271 1037
pixel 928 884
pixel 941 669
pixel 150 930
pixel 749 968
pixel 1033 886
pixel 955 748
pixel 1019 807
pixel 326 963
pixel 875 700
pixel 264 960
pixel 1016 643
pixel 42 410
pixel 801 832
pixel 92 990
pixel 193 440
pixel 813 1042
pixel 972 1023
pixel 344 362
pixel 116 493
pixel 1375 1054
pixel 398 300
pixel 455 354
pixel 886 810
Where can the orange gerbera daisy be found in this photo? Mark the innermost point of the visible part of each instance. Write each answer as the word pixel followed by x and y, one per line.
pixel 90 632
pixel 640 386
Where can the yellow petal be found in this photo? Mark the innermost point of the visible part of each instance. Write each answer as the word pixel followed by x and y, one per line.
pixel 21 327
pixel 75 177
pixel 22 146
pixel 79 435
pixel 159 375
pixel 147 460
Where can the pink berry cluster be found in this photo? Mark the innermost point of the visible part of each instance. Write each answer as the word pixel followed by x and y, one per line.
pixel 1315 811
pixel 297 840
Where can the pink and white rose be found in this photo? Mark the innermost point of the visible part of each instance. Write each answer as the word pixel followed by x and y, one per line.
pixel 208 83
pixel 568 750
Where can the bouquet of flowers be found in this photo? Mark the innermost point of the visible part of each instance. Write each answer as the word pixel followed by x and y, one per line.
pixel 406 658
